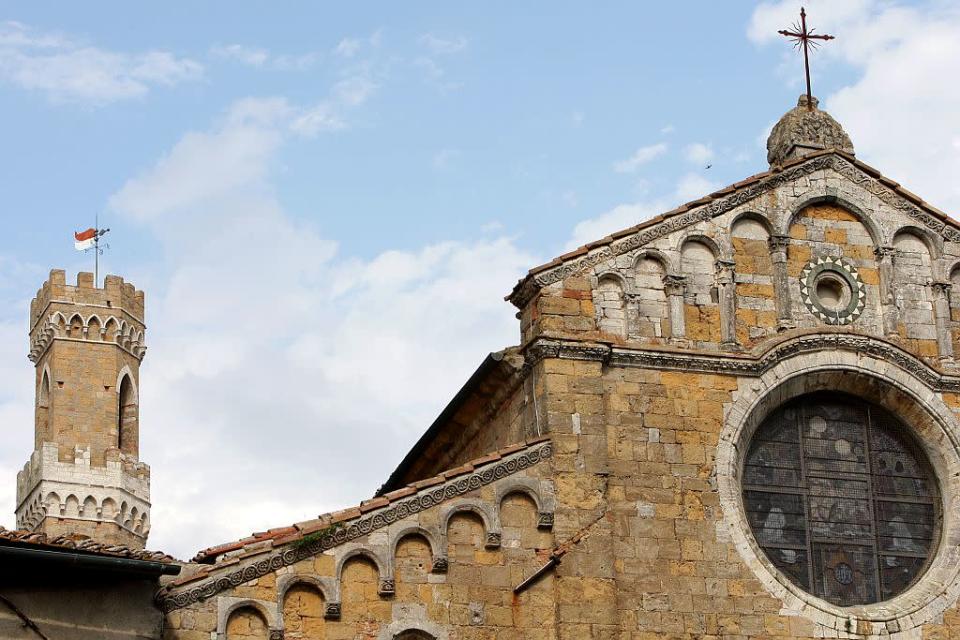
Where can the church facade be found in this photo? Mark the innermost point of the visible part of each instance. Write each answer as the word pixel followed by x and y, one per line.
pixel 739 419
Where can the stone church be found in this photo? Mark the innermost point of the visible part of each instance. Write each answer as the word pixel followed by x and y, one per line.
pixel 739 419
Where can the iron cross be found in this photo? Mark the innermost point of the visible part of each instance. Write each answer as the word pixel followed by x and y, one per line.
pixel 803 38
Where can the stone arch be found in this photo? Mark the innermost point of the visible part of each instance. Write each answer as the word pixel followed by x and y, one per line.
pixel 652 312
pixel 52 504
pixel 752 216
pixel 108 509
pixel 414 557
pixel 491 523
pixel 704 294
pixel 933 241
pixel 383 565
pixel 431 536
pixel 92 328
pixel 701 238
pixel 110 329
pixel 90 507
pixel 533 489
pixel 755 316
pixel 59 322
pixel 913 267
pixel 814 197
pixel 609 301
pixel 43 427
pixel 128 413
pixel 75 326
pixel 227 607
pixel 292 582
pixel 656 255
pixel 890 383
pixel 71 508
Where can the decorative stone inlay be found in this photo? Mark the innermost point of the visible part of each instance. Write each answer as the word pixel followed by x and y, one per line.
pixel 851 294
pixel 291 554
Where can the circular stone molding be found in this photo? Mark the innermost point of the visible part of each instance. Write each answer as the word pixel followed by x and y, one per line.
pixel 831 289
pixel 938 434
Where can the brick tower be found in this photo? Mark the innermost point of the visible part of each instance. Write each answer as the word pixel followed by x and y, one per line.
pixel 84 476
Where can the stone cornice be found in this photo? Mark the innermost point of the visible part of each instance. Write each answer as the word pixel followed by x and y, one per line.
pixel 751 365
pixel 336 535
pixel 858 173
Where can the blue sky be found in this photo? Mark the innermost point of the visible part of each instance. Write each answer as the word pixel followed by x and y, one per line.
pixel 326 205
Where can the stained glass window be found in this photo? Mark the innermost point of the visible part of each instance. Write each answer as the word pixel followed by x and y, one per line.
pixel 841 498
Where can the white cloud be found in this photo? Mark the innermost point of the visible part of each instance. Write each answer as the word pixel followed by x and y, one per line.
pixel 667 129
pixel 698 153
pixel 688 187
pixel 348 47
pixel 70 71
pixel 900 111
pixel 299 374
pixel 440 45
pixel 642 156
pixel 261 58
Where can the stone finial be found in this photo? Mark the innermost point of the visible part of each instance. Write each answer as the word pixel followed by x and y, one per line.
pixel 805 129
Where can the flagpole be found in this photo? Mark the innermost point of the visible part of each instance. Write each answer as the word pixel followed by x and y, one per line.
pixel 96 250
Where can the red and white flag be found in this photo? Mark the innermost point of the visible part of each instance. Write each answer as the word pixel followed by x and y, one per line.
pixel 85 239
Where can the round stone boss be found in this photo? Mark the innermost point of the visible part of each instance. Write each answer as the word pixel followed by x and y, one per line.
pixel 831 289
pixel 841 499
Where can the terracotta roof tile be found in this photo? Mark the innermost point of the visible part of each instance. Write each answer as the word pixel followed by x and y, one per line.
pixel 272 538
pixel 81 543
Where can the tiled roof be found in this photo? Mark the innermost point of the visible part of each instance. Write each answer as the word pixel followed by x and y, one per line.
pixel 725 191
pixel 80 543
pixel 263 541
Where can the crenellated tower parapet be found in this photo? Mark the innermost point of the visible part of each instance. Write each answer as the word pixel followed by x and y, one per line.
pixel 85 475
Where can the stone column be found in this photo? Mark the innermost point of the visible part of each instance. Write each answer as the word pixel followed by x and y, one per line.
pixel 725 282
pixel 781 285
pixel 941 314
pixel 675 286
pixel 887 294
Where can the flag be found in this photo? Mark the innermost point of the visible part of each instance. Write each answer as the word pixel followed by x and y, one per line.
pixel 84 239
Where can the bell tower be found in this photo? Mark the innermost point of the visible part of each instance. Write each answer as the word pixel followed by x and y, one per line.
pixel 84 475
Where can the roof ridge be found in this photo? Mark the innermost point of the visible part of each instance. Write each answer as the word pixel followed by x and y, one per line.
pixel 274 537
pixel 81 543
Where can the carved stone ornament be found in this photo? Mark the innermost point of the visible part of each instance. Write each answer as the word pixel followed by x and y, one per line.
pixel 332 611
pixel 831 290
pixel 803 130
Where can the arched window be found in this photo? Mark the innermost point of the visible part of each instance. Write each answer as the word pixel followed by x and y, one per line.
pixel 42 430
pixel 841 498
pixel 127 427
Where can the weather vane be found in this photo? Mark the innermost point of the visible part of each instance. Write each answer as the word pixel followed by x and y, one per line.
pixel 89 240
pixel 804 38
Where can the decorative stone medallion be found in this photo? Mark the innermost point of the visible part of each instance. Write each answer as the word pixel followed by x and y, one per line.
pixel 832 290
